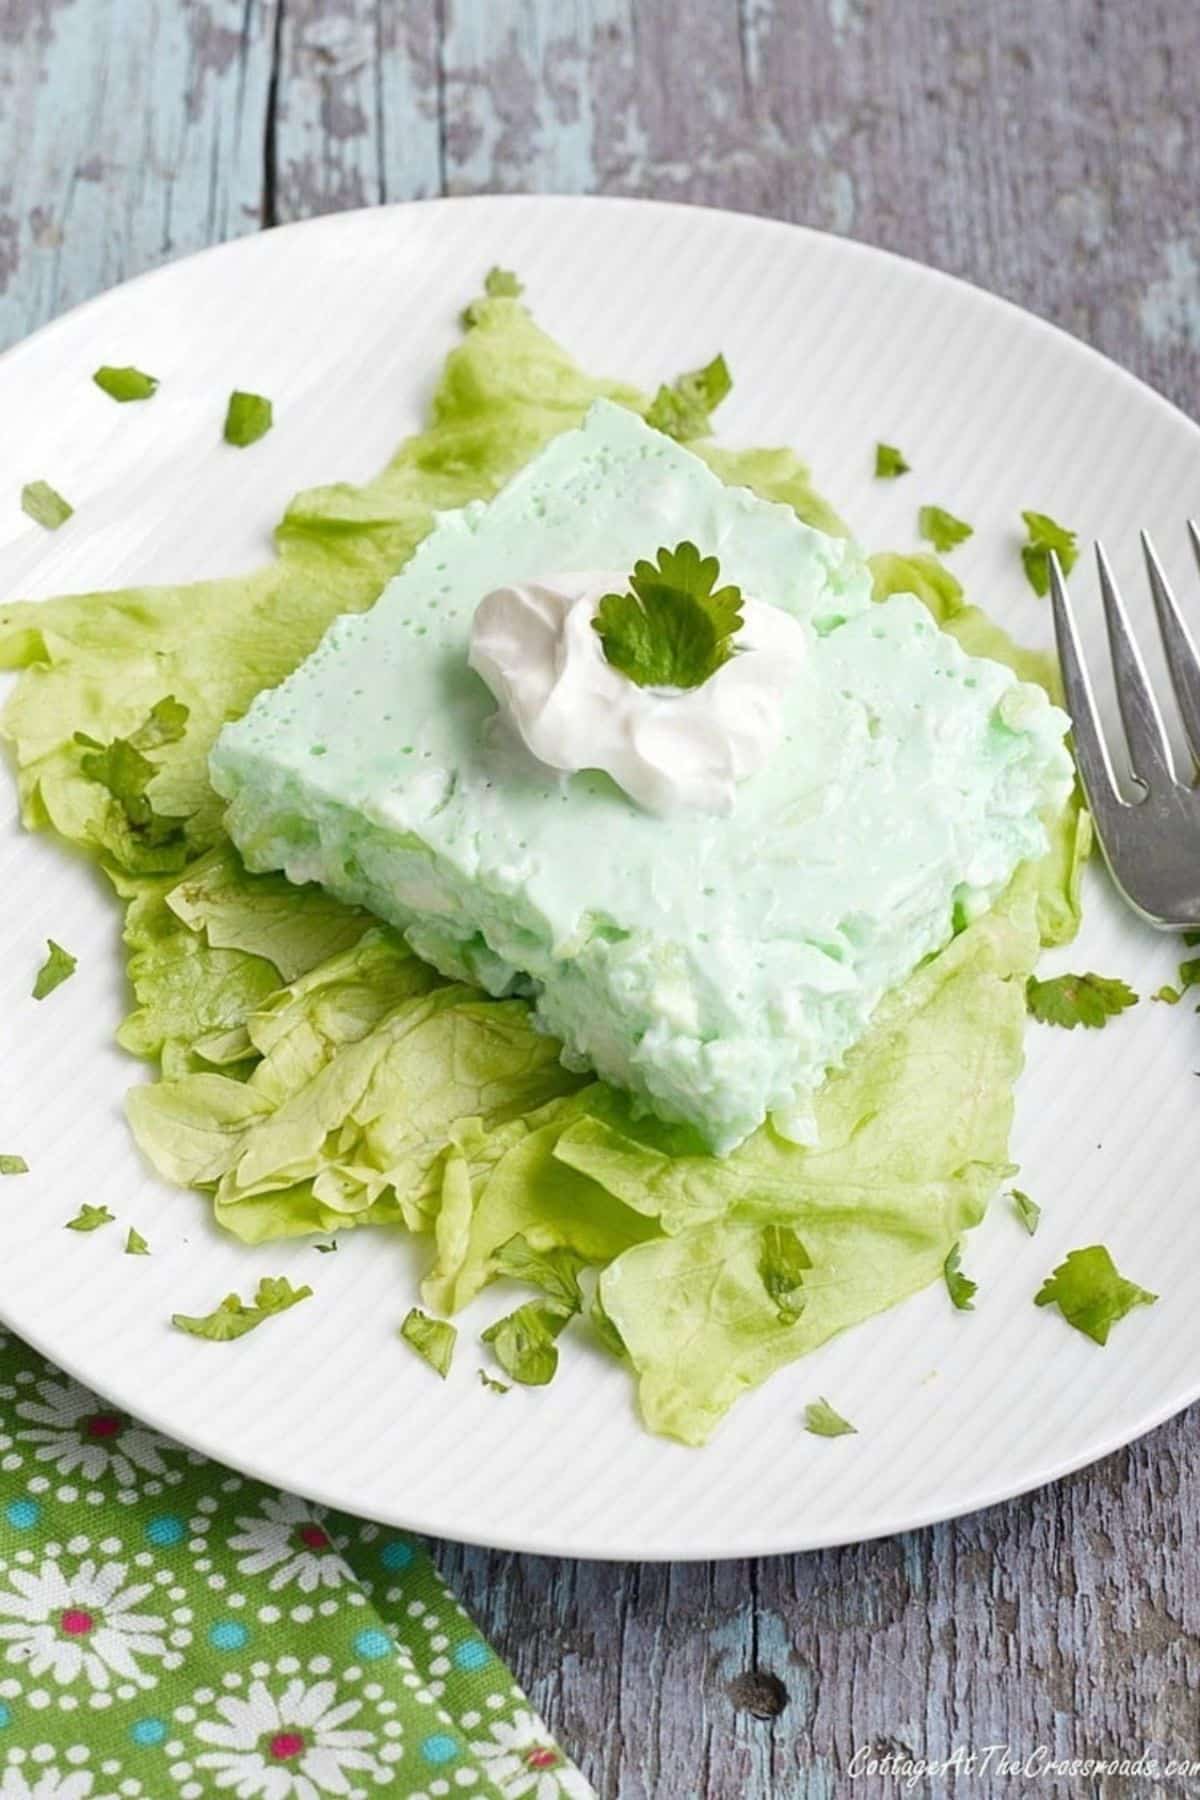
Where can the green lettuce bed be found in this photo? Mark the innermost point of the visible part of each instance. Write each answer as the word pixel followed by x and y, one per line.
pixel 314 1075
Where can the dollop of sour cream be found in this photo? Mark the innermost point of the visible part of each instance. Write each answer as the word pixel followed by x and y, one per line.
pixel 669 748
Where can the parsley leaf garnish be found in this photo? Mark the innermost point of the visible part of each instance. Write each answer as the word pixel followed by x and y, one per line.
pixel 493 1386
pixel 432 1339
pixel 58 967
pixel 45 505
pixel 126 383
pixel 233 1318
pixel 247 418
pixel 1046 535
pixel 1189 974
pixel 125 769
pixel 889 463
pixel 942 529
pixel 1170 996
pixel 676 627
pixel 135 1243
pixel 13 1165
pixel 1071 1000
pixel 822 1421
pixel 782 1263
pixel 555 1271
pixel 682 410
pixel 90 1218
pixel 523 1342
pixel 1027 1210
pixel 960 1287
pixel 1089 1292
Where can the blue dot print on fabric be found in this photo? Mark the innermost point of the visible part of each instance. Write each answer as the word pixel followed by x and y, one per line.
pixel 148 1731
pixel 228 1634
pixel 471 1655
pixel 165 1530
pixel 396 1554
pixel 372 1644
pixel 440 1748
pixel 22 1514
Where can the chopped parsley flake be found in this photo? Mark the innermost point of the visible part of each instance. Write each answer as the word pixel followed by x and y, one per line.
pixel 889 463
pixel 432 1339
pixel 822 1421
pixel 1090 1294
pixel 45 505
pixel 247 418
pixel 523 1342
pixel 13 1165
pixel 1071 1000
pixel 58 967
pixel 155 839
pixel 1189 974
pixel 90 1218
pixel 135 1243
pixel 1045 535
pixel 1170 996
pixel 126 383
pixel 942 529
pixel 555 1271
pixel 682 411
pixel 676 627
pixel 1027 1210
pixel 326 1249
pixel 233 1318
pixel 961 1288
pixel 492 1385
pixel 782 1263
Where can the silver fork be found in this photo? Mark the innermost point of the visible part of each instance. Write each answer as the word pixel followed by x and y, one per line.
pixel 1151 843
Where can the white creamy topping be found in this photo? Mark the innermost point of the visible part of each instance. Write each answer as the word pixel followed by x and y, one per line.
pixel 668 748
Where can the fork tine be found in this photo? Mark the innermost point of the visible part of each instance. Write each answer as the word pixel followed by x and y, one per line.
pixel 1182 659
pixel 1091 752
pixel 1149 752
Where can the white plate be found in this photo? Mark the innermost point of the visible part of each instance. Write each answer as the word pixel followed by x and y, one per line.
pixel 344 322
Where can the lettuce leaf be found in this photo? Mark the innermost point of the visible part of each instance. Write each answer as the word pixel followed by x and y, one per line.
pixel 905 1163
pixel 210 947
pixel 317 1075
pixel 351 1122
pixel 514 1183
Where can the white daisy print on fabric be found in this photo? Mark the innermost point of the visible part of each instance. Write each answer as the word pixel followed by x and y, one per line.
pixel 289 1537
pixel 525 1763
pixel 294 1745
pixel 46 1785
pixel 82 1625
pixel 68 1426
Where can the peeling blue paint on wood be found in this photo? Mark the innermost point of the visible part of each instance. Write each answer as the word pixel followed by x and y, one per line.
pixel 130 133
pixel 1051 154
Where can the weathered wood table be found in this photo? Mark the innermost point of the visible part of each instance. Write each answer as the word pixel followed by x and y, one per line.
pixel 1050 153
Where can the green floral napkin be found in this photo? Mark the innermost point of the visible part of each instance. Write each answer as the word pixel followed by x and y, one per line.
pixel 170 1630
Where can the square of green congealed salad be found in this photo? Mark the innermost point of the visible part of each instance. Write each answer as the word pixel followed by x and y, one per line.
pixel 572 850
